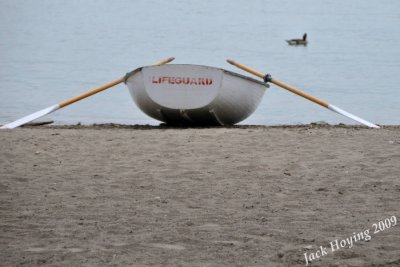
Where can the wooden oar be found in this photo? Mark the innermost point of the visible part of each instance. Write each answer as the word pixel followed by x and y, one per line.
pixel 55 107
pixel 268 78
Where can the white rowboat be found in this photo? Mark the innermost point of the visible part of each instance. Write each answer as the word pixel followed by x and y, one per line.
pixel 194 94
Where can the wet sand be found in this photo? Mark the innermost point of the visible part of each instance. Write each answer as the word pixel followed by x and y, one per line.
pixel 113 195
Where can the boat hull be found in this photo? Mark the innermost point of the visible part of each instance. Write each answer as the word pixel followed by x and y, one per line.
pixel 194 94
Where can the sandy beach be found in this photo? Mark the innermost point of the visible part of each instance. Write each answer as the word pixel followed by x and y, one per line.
pixel 113 195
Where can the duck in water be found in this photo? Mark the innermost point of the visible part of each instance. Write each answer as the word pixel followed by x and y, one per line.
pixel 298 41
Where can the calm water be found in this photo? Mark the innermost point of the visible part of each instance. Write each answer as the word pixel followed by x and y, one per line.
pixel 51 50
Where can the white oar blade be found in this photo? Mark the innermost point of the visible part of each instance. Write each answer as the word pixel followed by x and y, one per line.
pixel 351 116
pixel 30 117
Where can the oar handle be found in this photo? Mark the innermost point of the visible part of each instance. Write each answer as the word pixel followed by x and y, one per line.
pixel 278 83
pixel 246 68
pixel 165 61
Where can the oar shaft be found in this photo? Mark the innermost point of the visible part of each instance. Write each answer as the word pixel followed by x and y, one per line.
pixel 300 93
pixel 104 86
pixel 91 92
pixel 281 84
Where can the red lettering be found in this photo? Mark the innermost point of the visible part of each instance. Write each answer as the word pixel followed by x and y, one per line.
pixel 181 80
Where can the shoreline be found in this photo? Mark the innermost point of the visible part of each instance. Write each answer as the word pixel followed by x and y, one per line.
pixel 165 126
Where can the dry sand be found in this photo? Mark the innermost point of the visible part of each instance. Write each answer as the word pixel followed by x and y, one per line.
pixel 241 196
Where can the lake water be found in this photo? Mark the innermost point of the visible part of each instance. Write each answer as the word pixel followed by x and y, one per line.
pixel 52 50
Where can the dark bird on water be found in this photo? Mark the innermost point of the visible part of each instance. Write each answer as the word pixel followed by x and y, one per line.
pixel 302 41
